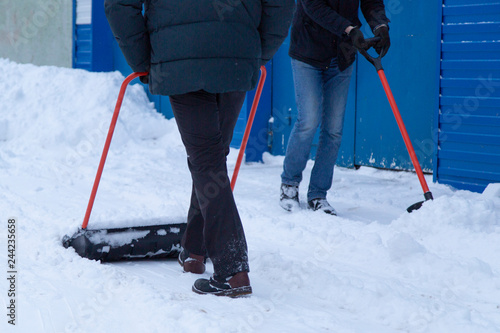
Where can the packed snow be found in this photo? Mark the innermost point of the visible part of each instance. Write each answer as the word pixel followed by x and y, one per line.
pixel 374 268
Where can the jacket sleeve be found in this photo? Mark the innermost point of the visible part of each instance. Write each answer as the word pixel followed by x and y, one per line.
pixel 325 16
pixel 374 12
pixel 129 28
pixel 274 24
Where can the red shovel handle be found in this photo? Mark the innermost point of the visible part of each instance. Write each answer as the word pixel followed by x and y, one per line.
pixel 248 128
pixel 403 131
pixel 377 62
pixel 107 144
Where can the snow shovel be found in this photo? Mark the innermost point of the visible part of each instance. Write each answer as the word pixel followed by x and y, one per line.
pixel 377 62
pixel 142 242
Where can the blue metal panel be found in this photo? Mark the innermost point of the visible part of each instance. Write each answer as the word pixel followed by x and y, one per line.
pixel 411 68
pixel 346 156
pixel 239 129
pixel 93 42
pixel 284 111
pixel 119 62
pixel 469 117
pixel 102 39
pixel 83 47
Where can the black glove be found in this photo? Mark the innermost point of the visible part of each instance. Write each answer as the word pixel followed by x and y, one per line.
pixel 385 41
pixel 144 79
pixel 358 40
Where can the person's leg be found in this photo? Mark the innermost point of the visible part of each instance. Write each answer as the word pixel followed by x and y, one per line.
pixel 309 98
pixel 336 88
pixel 229 107
pixel 198 118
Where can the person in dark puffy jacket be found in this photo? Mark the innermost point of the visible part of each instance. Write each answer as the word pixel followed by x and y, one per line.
pixel 205 55
pixel 324 37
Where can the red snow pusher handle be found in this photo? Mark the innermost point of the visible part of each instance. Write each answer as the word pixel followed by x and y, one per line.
pixel 107 144
pixel 246 135
pixel 114 119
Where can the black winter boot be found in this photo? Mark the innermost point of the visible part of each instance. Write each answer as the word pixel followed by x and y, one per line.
pixel 234 286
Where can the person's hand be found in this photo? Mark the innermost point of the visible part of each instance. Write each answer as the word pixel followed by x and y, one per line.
pixel 357 38
pixel 385 41
pixel 144 79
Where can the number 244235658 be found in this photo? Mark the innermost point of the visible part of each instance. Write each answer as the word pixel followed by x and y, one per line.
pixel 11 243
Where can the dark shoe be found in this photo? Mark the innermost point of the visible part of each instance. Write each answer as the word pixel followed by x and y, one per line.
pixel 191 263
pixel 322 205
pixel 289 198
pixel 235 286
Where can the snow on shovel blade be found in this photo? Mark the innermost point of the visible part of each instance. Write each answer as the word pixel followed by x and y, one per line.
pixel 156 241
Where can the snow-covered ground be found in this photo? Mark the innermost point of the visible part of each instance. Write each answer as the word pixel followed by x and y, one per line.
pixel 374 268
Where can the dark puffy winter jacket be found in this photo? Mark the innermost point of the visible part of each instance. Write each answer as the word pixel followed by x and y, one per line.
pixel 189 45
pixel 318 27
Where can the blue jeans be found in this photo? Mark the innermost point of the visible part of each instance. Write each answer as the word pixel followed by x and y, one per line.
pixel 321 97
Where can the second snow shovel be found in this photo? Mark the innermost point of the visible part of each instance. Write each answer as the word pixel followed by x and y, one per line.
pixel 151 241
pixel 377 62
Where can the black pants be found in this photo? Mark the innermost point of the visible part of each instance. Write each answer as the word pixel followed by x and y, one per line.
pixel 206 122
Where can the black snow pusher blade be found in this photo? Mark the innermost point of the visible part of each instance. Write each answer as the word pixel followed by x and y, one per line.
pixel 156 241
pixel 141 242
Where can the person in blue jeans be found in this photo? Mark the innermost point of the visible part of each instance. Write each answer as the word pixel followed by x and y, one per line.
pixel 323 41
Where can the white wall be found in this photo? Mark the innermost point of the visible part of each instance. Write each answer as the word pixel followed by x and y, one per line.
pixel 83 11
pixel 37 31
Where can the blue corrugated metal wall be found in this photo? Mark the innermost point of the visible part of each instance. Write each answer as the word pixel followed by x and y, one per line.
pixel 469 117
pixel 410 67
pixel 467 124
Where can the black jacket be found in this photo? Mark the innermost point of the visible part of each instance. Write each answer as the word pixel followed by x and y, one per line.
pixel 318 27
pixel 189 45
